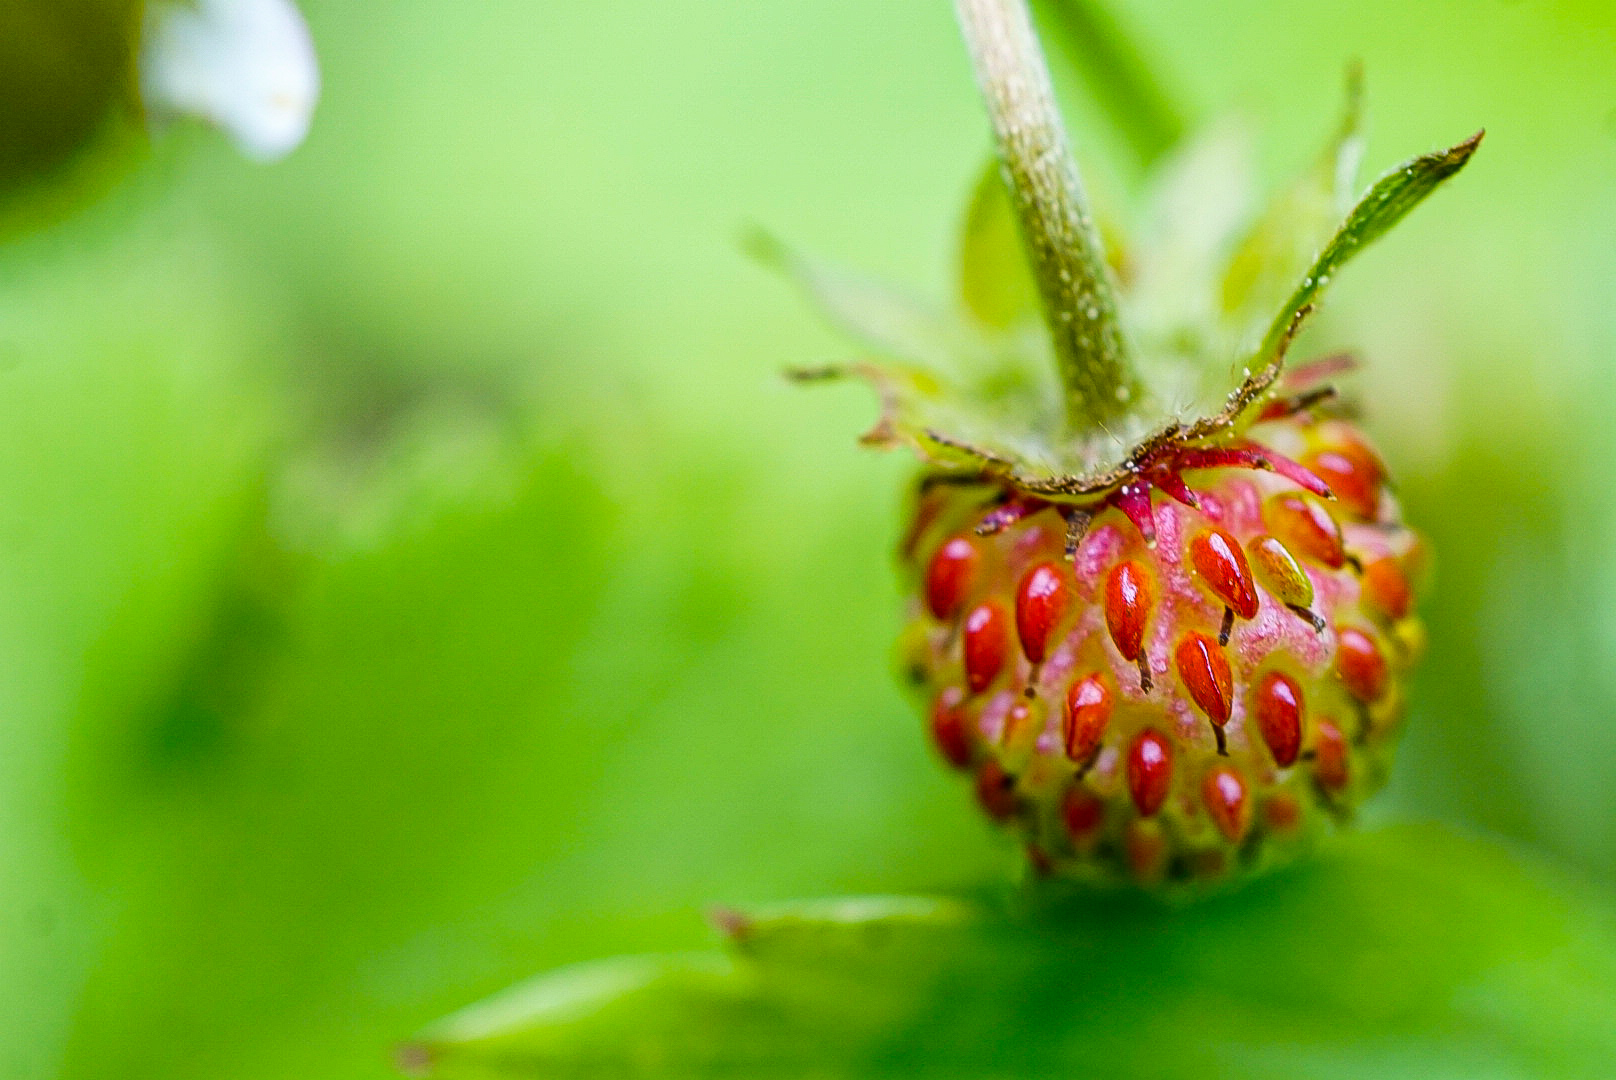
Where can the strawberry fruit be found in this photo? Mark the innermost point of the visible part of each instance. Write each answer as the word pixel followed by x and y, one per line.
pixel 1192 679
pixel 1162 616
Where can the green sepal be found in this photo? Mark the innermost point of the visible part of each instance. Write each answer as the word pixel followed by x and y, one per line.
pixel 1405 952
pixel 958 391
pixel 1387 202
pixel 874 314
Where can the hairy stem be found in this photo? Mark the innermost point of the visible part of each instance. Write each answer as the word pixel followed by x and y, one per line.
pixel 1062 243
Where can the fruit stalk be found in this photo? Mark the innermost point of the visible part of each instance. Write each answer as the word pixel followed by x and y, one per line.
pixel 1062 244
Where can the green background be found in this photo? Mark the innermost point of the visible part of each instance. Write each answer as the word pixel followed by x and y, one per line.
pixel 413 573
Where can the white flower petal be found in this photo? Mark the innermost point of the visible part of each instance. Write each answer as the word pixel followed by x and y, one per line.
pixel 246 66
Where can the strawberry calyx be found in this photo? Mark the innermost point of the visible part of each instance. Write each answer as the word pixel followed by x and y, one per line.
pixel 973 389
pixel 1161 465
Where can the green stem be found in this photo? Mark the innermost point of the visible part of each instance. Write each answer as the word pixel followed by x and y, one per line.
pixel 1062 244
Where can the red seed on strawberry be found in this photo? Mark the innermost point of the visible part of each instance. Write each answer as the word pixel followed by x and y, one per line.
pixel 949 727
pixel 1088 711
pixel 1278 709
pixel 1083 815
pixel 1306 528
pixel 996 791
pixel 1150 771
pixel 1224 794
pixel 1385 588
pixel 1205 671
pixel 1354 484
pixel 1146 846
pixel 1041 603
pixel 949 577
pixel 1329 756
pixel 1129 595
pixel 1222 566
pixel 1358 469
pixel 1281 812
pixel 1362 668
pixel 1345 438
pixel 987 641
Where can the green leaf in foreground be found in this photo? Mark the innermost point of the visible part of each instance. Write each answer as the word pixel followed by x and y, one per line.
pixel 1407 952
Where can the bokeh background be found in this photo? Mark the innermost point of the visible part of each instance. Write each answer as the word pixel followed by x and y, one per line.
pixel 413 573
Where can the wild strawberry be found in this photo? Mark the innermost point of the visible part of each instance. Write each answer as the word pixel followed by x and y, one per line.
pixel 1162 621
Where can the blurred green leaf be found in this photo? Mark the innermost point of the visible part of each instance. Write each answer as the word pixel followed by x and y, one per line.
pixel 995 282
pixel 1117 74
pixel 1197 201
pixel 1295 225
pixel 1410 951
pixel 67 82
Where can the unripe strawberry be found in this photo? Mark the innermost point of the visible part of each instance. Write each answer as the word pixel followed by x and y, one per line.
pixel 1162 622
pixel 1253 700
